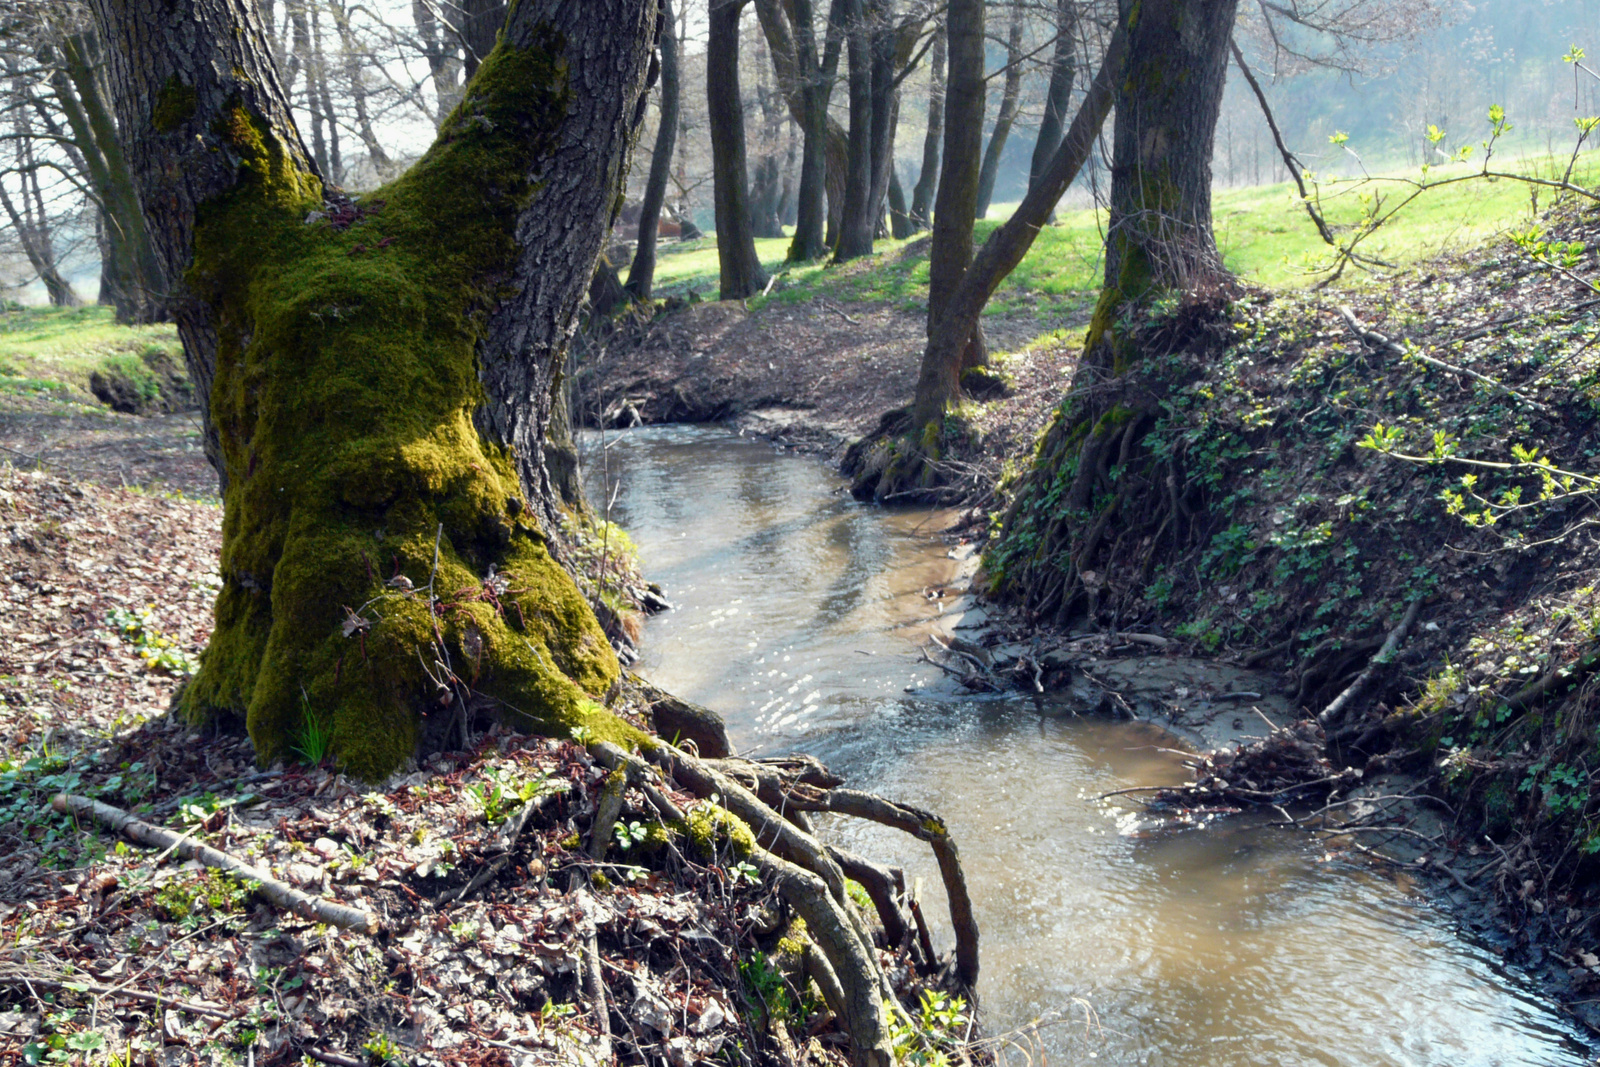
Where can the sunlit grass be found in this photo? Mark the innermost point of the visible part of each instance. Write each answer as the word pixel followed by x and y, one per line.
pixel 46 350
pixel 1263 232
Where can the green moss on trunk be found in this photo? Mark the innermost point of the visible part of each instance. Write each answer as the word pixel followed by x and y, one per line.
pixel 344 394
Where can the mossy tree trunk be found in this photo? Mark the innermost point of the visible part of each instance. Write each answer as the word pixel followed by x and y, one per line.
pixel 906 461
pixel 378 375
pixel 741 272
pixel 815 87
pixel 1092 484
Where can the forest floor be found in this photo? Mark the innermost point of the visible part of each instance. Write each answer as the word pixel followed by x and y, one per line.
pixel 493 914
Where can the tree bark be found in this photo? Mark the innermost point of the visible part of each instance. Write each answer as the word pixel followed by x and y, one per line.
pixel 928 179
pixel 857 225
pixel 956 205
pixel 741 273
pixel 1159 233
pixel 444 60
pixel 811 211
pixel 1007 114
pixel 642 273
pixel 900 226
pixel 807 85
pixel 139 287
pixel 480 22
pixel 377 376
pixel 1158 241
pixel 1063 72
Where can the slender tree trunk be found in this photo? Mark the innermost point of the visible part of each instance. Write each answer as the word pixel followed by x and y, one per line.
pixel 956 207
pixel 137 286
pixel 795 78
pixel 322 100
pixel 358 90
pixel 928 179
pixel 811 212
pixel 1063 72
pixel 857 224
pixel 741 271
pixel 642 273
pixel 1007 114
pixel 885 105
pixel 480 22
pixel 444 64
pixel 377 389
pixel 900 226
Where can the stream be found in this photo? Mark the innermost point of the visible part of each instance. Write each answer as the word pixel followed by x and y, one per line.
pixel 798 615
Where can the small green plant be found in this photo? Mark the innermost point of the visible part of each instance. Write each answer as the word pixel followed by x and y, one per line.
pixel 211 891
pixel 630 834
pixel 765 988
pixel 159 652
pixel 380 1050
pixel 314 740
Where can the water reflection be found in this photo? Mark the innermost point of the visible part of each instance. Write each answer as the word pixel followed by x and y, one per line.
pixel 1231 945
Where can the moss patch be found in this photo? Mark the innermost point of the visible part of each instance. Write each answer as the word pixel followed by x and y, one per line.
pixel 377 556
pixel 174 106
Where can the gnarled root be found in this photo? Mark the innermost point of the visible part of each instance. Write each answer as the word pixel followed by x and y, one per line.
pixel 807 877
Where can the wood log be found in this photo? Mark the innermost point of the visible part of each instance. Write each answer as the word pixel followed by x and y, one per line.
pixel 279 893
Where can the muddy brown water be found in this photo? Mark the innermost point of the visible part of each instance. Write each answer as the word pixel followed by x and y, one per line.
pixel 798 616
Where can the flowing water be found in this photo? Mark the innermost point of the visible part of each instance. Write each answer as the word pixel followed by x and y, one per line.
pixel 797 617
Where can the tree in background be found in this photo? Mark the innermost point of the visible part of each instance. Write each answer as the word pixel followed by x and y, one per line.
pixel 641 274
pixel 741 271
pixel 928 177
pixel 1058 94
pixel 377 374
pixel 1009 96
pixel 1164 293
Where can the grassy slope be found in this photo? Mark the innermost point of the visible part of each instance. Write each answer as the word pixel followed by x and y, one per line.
pixel 54 350
pixel 1262 231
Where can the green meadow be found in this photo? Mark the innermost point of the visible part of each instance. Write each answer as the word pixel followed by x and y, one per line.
pixel 1263 232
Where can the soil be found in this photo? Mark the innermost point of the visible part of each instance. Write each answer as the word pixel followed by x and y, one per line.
pixel 815 375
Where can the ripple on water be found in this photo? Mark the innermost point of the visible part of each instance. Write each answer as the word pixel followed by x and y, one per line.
pixel 1233 945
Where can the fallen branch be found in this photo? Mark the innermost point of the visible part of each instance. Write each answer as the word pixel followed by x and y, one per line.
pixel 279 893
pixel 1335 712
pixel 17 976
pixel 1379 341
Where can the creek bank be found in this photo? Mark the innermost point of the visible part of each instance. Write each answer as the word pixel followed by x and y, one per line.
pixel 814 375
pixel 505 875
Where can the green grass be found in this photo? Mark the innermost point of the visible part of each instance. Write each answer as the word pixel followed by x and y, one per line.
pixel 54 350
pixel 1263 233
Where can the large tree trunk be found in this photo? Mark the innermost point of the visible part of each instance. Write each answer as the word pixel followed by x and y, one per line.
pixel 377 376
pixel 741 273
pixel 1063 72
pixel 1003 119
pixel 1158 241
pixel 928 179
pixel 642 273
